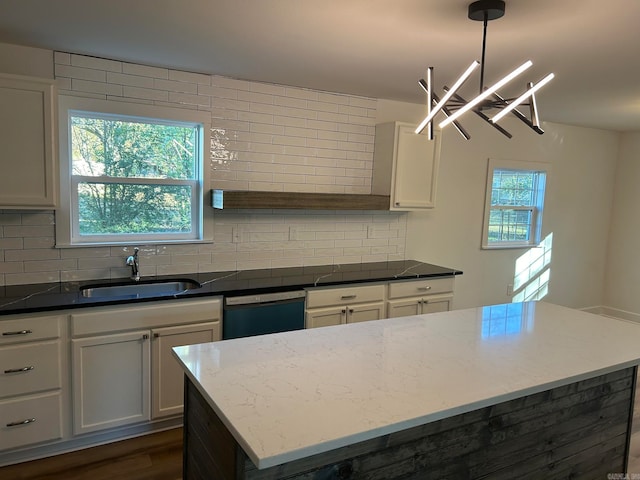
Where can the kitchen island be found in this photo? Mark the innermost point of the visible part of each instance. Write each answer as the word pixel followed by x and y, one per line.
pixel 527 390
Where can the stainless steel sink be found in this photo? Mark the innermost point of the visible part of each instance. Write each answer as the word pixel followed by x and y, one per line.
pixel 139 290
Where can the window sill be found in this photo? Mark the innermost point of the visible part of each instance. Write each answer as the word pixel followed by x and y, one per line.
pixel 129 243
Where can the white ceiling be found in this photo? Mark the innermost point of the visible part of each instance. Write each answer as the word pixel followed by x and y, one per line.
pixel 375 48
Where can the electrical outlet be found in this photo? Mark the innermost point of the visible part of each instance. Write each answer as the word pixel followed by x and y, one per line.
pixel 509 289
pixel 370 231
pixel 236 235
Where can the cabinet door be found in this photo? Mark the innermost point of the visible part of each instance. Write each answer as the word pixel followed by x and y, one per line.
pixel 436 303
pixel 404 307
pixel 110 380
pixel 324 317
pixel 415 170
pixel 166 375
pixel 28 172
pixel 365 312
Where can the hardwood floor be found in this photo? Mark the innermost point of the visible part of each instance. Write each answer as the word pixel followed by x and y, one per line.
pixel 150 457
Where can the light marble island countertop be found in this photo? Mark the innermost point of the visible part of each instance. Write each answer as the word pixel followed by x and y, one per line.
pixel 290 395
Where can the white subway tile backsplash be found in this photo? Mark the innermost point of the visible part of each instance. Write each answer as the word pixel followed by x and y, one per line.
pixel 50 265
pixel 11 243
pixel 28 231
pixel 61 58
pixel 190 77
pixel 99 88
pixel 267 88
pixel 25 278
pixel 189 99
pixel 31 254
pixel 96 63
pixel 145 71
pixel 81 275
pixel 145 93
pixel 175 86
pixel 11 267
pixel 80 73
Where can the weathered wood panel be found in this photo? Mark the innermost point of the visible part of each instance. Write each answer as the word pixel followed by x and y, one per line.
pixel 230 199
pixel 210 451
pixel 579 430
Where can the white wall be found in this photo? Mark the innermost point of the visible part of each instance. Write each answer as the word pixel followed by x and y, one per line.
pixel 623 270
pixel 577 209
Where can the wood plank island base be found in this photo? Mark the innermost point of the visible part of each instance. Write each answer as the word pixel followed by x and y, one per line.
pixel 575 431
pixel 522 391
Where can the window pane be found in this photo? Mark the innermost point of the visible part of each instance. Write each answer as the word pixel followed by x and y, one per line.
pixel 510 188
pixel 119 148
pixel 509 225
pixel 106 208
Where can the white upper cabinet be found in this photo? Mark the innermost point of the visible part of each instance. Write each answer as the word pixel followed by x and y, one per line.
pixel 405 166
pixel 28 172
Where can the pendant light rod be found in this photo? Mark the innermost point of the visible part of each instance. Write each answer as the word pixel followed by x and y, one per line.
pixel 484 11
pixel 484 48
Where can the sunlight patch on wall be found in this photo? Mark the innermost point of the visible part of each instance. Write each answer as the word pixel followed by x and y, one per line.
pixel 532 272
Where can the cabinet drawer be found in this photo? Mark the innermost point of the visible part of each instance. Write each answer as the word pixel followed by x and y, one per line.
pixel 27 420
pixel 156 314
pixel 415 288
pixel 344 295
pixel 28 368
pixel 27 329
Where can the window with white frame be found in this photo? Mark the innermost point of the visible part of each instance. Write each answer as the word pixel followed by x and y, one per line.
pixel 130 173
pixel 514 204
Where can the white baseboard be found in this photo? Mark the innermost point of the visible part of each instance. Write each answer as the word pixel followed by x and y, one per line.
pixel 613 312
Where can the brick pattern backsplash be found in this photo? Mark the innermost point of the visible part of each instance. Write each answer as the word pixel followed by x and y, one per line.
pixel 263 137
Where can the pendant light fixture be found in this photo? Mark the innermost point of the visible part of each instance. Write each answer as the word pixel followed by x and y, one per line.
pixel 453 106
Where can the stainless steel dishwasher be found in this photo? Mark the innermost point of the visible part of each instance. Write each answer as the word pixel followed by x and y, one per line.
pixel 249 315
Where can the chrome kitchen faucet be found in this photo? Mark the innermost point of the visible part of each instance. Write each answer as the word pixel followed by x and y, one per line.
pixel 134 263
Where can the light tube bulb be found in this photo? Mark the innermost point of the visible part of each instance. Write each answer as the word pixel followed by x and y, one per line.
pixel 448 95
pixel 486 93
pixel 522 97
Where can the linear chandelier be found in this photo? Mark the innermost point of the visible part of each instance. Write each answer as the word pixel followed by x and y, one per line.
pixel 452 105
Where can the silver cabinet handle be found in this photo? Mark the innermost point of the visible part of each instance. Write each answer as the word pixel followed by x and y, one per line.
pixel 424 288
pixel 145 337
pixel 156 335
pixel 20 332
pixel 21 422
pixel 344 310
pixel 351 310
pixel 17 370
pixel 348 297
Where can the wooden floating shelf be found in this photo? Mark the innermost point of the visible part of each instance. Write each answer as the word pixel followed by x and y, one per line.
pixel 232 199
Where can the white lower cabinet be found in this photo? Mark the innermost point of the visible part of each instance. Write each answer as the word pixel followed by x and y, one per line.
pixel 123 368
pixel 416 297
pixel 348 304
pixel 419 305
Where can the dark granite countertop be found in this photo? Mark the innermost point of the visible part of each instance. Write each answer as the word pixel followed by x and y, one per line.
pixel 43 297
